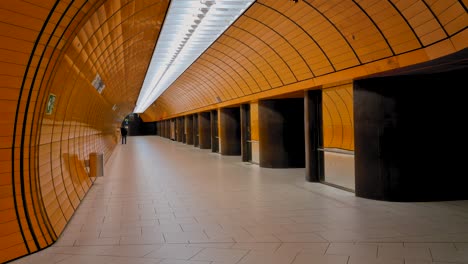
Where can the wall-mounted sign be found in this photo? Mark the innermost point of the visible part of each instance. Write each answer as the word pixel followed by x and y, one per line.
pixel 98 83
pixel 50 104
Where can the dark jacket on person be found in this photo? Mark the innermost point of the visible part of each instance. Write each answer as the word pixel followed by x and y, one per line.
pixel 123 131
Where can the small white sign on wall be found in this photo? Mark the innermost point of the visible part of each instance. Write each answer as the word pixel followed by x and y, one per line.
pixel 98 83
pixel 50 104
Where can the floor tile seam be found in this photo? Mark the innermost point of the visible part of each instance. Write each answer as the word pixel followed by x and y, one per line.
pixel 295 257
pixel 201 249
pixel 244 256
pixel 430 253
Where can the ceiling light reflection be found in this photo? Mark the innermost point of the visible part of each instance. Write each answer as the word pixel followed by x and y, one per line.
pixel 190 27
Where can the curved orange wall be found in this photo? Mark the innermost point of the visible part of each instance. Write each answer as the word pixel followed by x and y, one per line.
pixel 43 155
pixel 338 117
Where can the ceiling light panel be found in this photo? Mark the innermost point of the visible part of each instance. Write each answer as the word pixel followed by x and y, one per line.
pixel 190 27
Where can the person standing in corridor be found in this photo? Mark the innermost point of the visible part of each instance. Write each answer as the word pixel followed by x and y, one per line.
pixel 123 133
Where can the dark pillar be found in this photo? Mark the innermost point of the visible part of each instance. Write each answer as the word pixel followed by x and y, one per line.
pixel 204 130
pixel 313 136
pixel 176 131
pixel 168 128
pixel 230 131
pixel 189 129
pixel 180 129
pixel 246 151
pixel 214 131
pixel 173 129
pixel 183 130
pixel 195 130
pixel 408 137
pixel 281 132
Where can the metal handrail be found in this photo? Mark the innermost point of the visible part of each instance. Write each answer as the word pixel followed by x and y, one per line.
pixel 335 150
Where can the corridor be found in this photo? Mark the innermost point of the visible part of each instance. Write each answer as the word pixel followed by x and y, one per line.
pixel 166 202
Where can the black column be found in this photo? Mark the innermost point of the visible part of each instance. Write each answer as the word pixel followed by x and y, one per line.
pixel 168 128
pixel 180 129
pixel 189 129
pixel 195 130
pixel 246 151
pixel 176 129
pixel 313 136
pixel 214 131
pixel 204 130
pixel 408 135
pixel 184 131
pixel 230 131
pixel 281 132
pixel 173 129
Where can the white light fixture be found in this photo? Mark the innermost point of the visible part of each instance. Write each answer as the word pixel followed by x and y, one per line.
pixel 190 27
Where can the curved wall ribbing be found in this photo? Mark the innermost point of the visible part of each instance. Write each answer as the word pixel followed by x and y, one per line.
pixel 56 48
pixel 48 150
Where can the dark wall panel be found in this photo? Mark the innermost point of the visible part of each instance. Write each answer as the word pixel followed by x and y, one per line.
pixel 204 130
pixel 214 131
pixel 230 131
pixel 180 129
pixel 189 129
pixel 313 136
pixel 168 129
pixel 281 131
pixel 408 136
pixel 195 131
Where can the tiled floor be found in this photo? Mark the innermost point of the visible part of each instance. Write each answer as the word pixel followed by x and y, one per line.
pixel 166 202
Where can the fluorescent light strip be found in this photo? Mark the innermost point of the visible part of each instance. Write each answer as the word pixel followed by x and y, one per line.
pixel 190 27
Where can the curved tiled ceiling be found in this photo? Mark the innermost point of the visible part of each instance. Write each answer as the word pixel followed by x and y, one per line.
pixel 276 47
pixel 282 46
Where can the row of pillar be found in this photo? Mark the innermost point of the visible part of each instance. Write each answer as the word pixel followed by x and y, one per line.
pixel 407 136
pixel 201 130
pixel 281 129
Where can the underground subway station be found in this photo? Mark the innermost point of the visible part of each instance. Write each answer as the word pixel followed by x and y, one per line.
pixel 233 131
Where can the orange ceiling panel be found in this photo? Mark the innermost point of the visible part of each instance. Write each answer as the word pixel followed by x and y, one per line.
pixel 289 46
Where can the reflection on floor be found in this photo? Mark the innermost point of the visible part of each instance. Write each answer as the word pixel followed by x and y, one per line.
pixel 165 202
pixel 339 169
